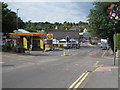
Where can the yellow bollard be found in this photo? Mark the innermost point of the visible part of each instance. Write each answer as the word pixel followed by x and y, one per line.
pixel 64 53
pixel 118 54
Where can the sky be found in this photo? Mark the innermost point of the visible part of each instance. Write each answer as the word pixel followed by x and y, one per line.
pixel 51 11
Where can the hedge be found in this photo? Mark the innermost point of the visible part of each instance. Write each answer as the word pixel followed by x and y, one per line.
pixel 118 40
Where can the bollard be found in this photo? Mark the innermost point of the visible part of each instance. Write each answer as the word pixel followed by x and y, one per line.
pixel 64 53
pixel 118 54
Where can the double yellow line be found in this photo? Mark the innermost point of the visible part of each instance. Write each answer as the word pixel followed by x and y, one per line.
pixel 97 62
pixel 82 77
pixel 104 53
pixel 79 81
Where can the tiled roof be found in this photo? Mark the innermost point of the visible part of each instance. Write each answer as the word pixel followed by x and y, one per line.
pixel 59 34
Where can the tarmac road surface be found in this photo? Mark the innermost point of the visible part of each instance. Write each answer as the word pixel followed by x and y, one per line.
pixel 49 69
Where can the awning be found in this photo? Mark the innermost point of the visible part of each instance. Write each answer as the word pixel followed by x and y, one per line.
pixel 72 40
pixel 63 40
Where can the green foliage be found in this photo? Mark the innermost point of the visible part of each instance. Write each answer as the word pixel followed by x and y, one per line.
pixel 33 26
pixel 100 23
pixel 0 17
pixel 118 41
pixel 81 29
pixel 9 22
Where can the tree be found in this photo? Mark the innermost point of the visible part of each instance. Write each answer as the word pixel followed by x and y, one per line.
pixel 100 23
pixel 33 26
pixel 9 17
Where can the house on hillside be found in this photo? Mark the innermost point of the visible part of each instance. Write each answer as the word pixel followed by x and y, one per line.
pixel 77 27
pixel 85 35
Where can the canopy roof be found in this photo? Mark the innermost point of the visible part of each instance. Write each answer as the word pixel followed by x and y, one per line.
pixel 26 34
pixel 21 31
pixel 55 40
pixel 72 40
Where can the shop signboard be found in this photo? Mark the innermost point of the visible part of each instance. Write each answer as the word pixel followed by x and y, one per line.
pixel 49 36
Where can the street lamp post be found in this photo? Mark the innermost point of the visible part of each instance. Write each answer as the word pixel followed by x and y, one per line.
pixel 17 44
pixel 17 18
pixel 115 15
pixel 114 42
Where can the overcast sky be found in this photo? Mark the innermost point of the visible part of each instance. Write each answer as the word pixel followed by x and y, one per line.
pixel 52 11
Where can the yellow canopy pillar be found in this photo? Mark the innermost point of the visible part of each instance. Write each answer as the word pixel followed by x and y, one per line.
pixel 41 44
pixel 24 43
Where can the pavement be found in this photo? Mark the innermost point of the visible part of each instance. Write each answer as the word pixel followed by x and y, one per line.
pixel 106 74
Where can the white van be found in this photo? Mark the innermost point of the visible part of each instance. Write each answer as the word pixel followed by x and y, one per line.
pixel 104 44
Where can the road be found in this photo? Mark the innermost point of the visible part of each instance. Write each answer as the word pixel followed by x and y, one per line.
pixel 49 69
